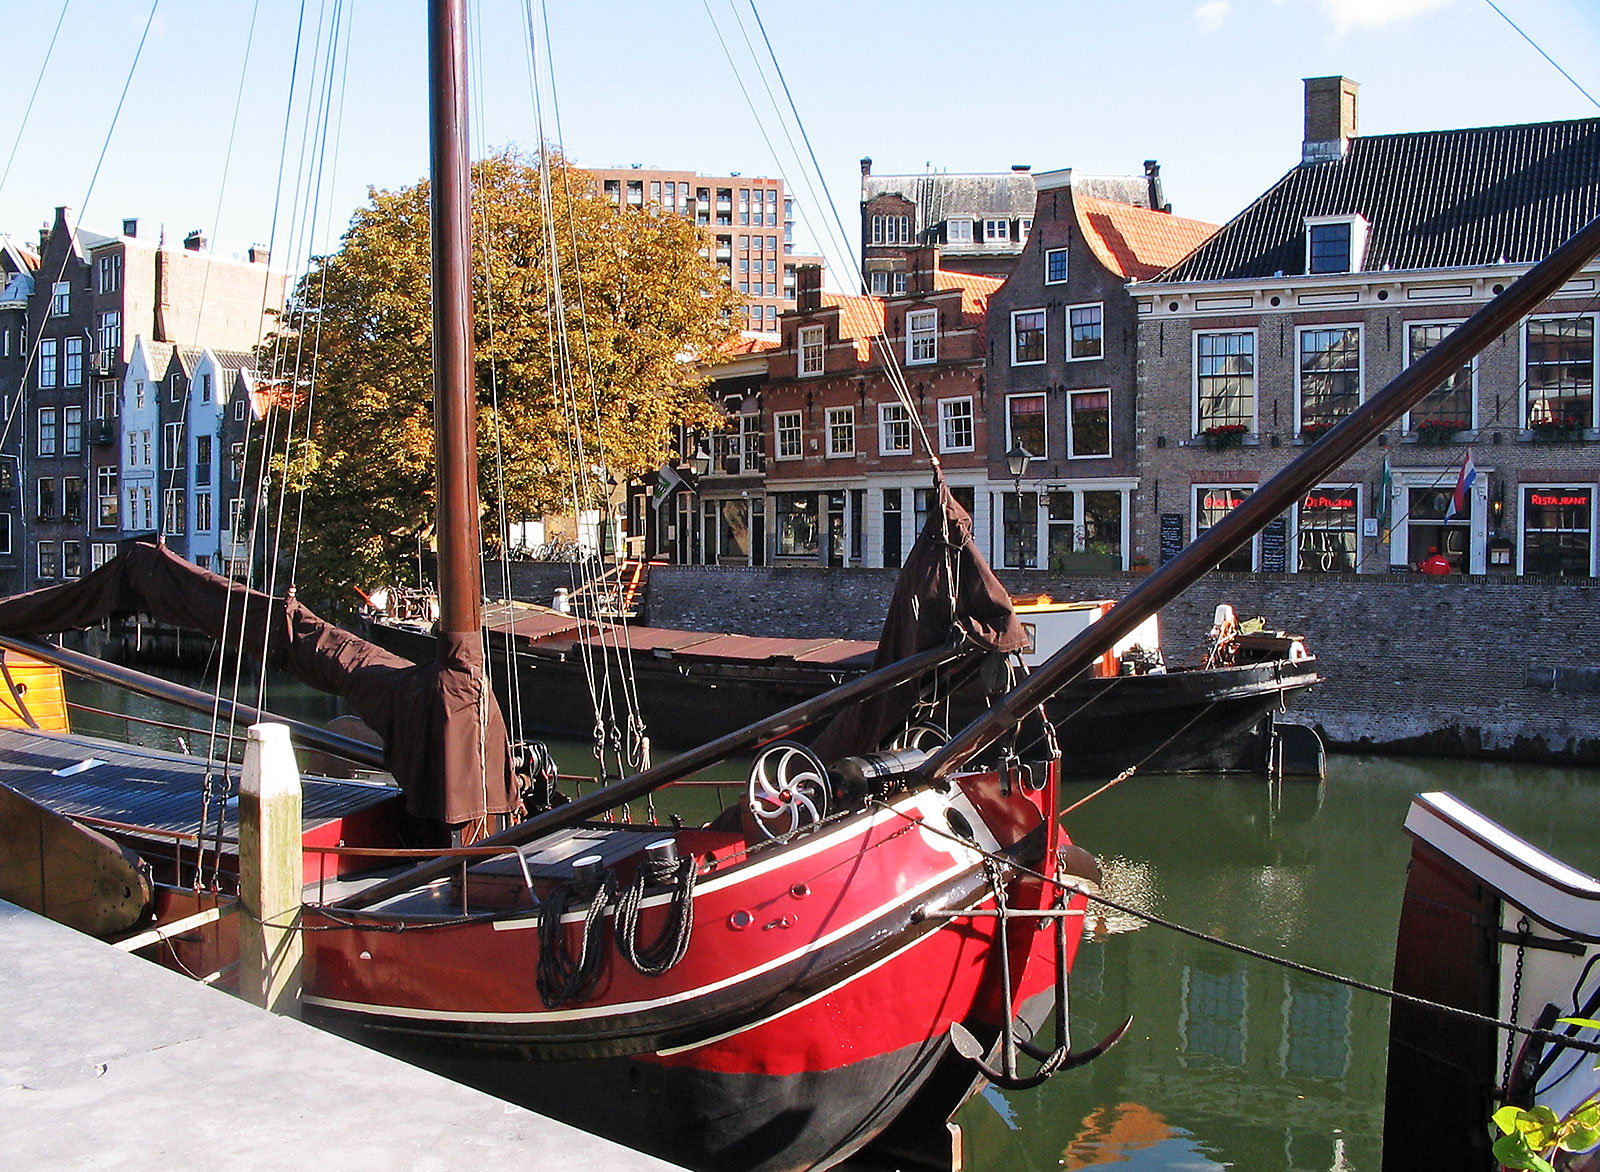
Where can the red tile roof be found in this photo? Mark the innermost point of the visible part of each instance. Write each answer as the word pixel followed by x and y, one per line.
pixel 860 318
pixel 742 347
pixel 975 290
pixel 1137 242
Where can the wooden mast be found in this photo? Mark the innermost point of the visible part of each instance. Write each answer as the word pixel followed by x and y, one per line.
pixel 454 397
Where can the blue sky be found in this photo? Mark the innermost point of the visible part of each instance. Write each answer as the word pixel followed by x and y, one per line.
pixel 1212 89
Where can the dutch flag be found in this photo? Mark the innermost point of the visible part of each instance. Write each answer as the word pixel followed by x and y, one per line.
pixel 1458 503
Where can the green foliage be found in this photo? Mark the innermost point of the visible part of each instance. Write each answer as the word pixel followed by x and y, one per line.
pixel 1530 1136
pixel 639 305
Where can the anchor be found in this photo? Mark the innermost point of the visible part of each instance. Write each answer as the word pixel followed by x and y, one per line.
pixel 1062 1057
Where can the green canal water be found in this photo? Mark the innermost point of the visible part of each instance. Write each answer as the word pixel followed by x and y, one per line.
pixel 1232 1062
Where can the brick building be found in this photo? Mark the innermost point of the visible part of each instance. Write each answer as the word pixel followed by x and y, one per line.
pixel 1351 266
pixel 1062 370
pixel 848 478
pixel 749 223
pixel 17 267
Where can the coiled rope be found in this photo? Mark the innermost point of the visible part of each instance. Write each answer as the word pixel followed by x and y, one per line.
pixel 563 978
pixel 672 944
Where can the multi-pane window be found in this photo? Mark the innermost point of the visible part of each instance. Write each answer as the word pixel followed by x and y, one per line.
pixel 106 497
pixel 1448 406
pixel 139 396
pixel 894 429
pixel 46 493
pixel 47 431
pixel 1560 372
pixel 955 425
pixel 841 431
pixel 101 552
pixel 111 331
pixel 1084 331
pixel 810 339
pixel 1019 528
pixel 202 512
pixel 172 445
pixel 49 559
pixel 1325 540
pixel 958 231
pixel 173 519
pixel 1089 423
pixel 61 298
pixel 1025 425
pixel 72 375
pixel 1024 228
pixel 922 336
pixel 72 559
pixel 1330 375
pixel 995 231
pixel 72 431
pixel 109 268
pixel 107 394
pixel 1225 381
pixel 72 498
pixel 1558 531
pixel 1329 247
pixel 879 283
pixel 1055 266
pixel 202 461
pixel 146 508
pixel 891 230
pixel 1211 504
pixel 1027 336
pixel 787 427
pixel 47 362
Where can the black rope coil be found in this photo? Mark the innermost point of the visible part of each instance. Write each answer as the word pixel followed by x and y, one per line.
pixel 563 978
pixel 672 944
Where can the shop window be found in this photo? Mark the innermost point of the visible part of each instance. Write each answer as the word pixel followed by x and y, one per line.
pixel 1430 528
pixel 1326 530
pixel 1019 524
pixel 1211 504
pixel 1558 531
pixel 798 533
pixel 892 536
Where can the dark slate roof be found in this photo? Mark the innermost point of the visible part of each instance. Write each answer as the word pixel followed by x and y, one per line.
pixel 234 359
pixel 940 195
pixel 1437 199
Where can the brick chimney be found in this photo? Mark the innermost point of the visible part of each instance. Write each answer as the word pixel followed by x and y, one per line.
pixel 259 254
pixel 130 227
pixel 921 264
pixel 808 288
pixel 1330 118
pixel 1152 179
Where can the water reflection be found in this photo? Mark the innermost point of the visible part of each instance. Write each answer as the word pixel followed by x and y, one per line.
pixel 1234 1062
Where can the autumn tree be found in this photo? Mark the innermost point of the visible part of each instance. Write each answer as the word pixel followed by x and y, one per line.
pixel 588 322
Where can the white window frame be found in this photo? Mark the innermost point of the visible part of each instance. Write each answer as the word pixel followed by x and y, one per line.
pixel 54 421
pixel 1067 354
pixel 996 230
pixel 810 344
pixel 878 282
pixel 1072 440
pixel 72 430
pixel 72 363
pixel 1358 242
pixel 1024 229
pixel 1361 364
pixel 173 454
pixel 55 556
pixel 109 271
pixel 958 230
pixel 49 350
pixel 948 416
pixel 1066 266
pixel 787 425
pixel 1011 440
pixel 1594 364
pixel 922 337
pixel 1044 337
pixel 841 417
pixel 174 512
pixel 1411 419
pixel 60 298
pixel 894 419
pixel 1255 375
pixel 106 476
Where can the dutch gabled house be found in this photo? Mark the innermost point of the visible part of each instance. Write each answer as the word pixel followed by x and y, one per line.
pixel 1062 370
pixel 1365 254
pixel 208 505
pixel 848 477
pixel 140 419
pixel 17 268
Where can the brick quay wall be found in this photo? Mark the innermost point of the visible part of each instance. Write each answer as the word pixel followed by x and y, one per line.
pixel 1496 667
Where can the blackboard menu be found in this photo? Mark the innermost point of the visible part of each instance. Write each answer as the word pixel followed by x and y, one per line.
pixel 1171 536
pixel 1275 546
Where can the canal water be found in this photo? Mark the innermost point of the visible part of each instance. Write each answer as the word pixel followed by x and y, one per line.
pixel 1231 1062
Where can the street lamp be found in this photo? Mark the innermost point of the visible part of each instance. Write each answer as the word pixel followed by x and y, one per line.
pixel 700 462
pixel 1017 461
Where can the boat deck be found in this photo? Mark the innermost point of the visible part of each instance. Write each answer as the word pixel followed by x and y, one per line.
pixel 86 777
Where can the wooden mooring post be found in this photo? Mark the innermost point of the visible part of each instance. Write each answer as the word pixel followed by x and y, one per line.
pixel 270 872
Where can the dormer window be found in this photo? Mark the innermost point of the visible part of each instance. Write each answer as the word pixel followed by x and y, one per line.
pixel 1335 244
pixel 958 231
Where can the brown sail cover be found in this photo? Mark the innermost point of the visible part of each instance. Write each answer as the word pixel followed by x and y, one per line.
pixel 444 738
pixel 946 590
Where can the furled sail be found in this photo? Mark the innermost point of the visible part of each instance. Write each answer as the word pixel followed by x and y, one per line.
pixel 444 737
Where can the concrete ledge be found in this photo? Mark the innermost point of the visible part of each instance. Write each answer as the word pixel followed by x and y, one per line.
pixel 109 1061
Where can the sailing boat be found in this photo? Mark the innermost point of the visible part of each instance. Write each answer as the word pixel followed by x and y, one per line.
pixel 868 935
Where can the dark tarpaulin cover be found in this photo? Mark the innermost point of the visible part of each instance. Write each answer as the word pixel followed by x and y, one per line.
pixel 945 587
pixel 452 766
